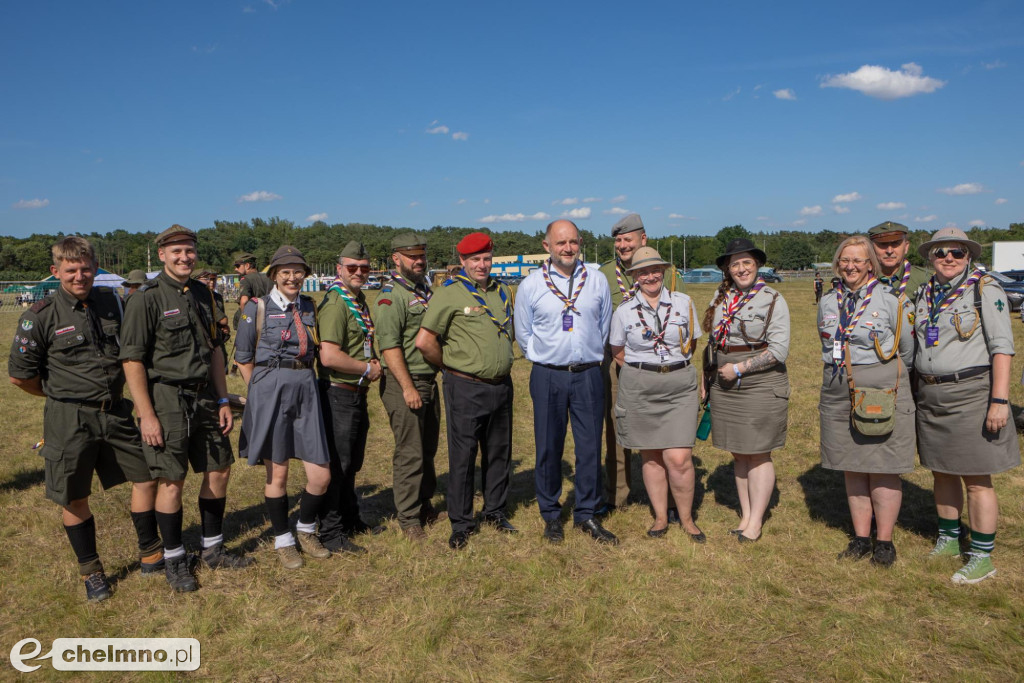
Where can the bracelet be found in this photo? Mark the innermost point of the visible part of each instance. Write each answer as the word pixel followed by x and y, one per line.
pixel 736 369
pixel 367 370
pixel 999 401
pixel 223 401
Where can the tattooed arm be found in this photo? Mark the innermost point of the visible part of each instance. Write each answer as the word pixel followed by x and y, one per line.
pixel 759 363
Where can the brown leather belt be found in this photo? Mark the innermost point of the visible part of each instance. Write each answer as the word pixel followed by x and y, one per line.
pixel 350 387
pixel 740 348
pixel 956 376
pixel 474 378
pixel 285 364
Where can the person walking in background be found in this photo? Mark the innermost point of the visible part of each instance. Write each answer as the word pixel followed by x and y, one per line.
pixel 562 314
pixel 136 278
pixel 819 287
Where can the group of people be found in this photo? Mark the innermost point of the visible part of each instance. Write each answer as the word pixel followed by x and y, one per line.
pixel 612 354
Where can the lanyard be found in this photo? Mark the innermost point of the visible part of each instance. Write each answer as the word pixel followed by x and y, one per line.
pixel 361 314
pixel 568 304
pixel 626 293
pixel 472 289
pixel 729 311
pixel 421 298
pixel 937 304
pixel 891 281
pixel 846 325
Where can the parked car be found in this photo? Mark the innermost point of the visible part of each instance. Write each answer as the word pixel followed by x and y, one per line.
pixel 1017 275
pixel 769 274
pixel 373 282
pixel 1014 289
pixel 698 275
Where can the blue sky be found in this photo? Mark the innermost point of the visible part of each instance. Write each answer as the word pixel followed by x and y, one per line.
pixel 806 115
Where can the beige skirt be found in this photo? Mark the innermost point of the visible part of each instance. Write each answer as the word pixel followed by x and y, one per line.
pixel 655 411
pixel 750 418
pixel 951 434
pixel 842 446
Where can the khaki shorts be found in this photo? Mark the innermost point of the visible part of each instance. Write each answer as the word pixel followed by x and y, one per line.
pixel 197 441
pixel 79 440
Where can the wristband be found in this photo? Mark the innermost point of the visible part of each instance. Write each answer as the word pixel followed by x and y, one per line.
pixel 366 372
pixel 223 401
pixel 736 369
pixel 1000 401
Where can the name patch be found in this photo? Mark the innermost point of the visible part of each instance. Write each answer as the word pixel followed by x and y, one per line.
pixel 277 315
pixel 65 330
pixel 173 311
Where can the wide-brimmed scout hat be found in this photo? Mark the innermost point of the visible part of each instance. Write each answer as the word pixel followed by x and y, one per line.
pixel 286 256
pixel 950 235
pixel 244 257
pixel 738 246
pixel 205 275
pixel 645 257
pixel 136 278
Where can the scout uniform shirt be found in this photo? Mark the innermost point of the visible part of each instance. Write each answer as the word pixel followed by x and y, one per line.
pixel 75 357
pixel 399 314
pixel 171 328
pixel 471 341
pixel 639 334
pixel 876 320
pixel 339 325
pixel 621 283
pixel 915 278
pixel 748 326
pixel 964 341
pixel 255 285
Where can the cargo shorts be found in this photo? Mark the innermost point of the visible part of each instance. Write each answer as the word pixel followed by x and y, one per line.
pixel 191 429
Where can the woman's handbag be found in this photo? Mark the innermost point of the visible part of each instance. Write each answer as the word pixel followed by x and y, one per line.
pixel 872 411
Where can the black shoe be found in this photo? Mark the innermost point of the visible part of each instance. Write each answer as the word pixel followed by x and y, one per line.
pixel 155 563
pixel 698 537
pixel 553 531
pixel 604 510
pixel 501 523
pixel 747 539
pixel 593 528
pixel 657 533
pixel 673 516
pixel 858 549
pixel 341 544
pixel 361 527
pixel 736 532
pixel 179 574
pixel 884 555
pixel 215 557
pixel 97 588
pixel 458 540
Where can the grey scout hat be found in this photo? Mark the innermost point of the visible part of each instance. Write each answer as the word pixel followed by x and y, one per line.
pixel 354 250
pixel 287 255
pixel 630 223
pixel 645 257
pixel 950 235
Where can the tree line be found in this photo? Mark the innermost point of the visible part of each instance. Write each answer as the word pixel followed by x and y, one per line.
pixel 119 250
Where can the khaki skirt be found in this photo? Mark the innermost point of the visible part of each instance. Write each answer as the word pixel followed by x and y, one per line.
pixel 655 411
pixel 752 417
pixel 951 434
pixel 842 446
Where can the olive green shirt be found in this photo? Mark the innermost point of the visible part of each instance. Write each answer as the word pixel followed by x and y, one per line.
pixel 398 317
pixel 470 341
pixel 918 277
pixel 339 326
pixel 55 341
pixel 673 281
pixel 254 285
pixel 171 328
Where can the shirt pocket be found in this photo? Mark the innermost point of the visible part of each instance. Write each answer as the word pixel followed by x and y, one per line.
pixel 177 329
pixel 69 348
pixel 750 326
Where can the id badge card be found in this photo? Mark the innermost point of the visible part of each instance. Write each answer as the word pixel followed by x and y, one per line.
pixel 367 348
pixel 837 350
pixel 567 322
pixel 931 336
pixel 662 352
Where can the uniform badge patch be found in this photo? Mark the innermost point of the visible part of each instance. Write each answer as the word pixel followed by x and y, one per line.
pixel 21 349
pixel 383 302
pixel 173 311
pixel 999 305
pixel 246 319
pixel 277 315
pixel 27 325
pixel 65 330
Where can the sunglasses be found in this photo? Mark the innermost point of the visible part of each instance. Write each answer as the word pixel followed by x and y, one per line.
pixel 952 251
pixel 357 269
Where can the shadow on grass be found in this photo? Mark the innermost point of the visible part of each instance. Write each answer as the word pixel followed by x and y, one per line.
pixel 722 483
pixel 825 496
pixel 23 481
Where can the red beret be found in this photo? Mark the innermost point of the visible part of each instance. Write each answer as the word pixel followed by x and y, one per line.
pixel 474 243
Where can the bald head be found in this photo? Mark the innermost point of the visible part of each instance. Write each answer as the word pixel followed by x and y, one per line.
pixel 562 242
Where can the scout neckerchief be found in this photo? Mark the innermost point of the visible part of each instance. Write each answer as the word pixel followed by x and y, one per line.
pixel 413 289
pixel 567 303
pixel 626 293
pixel 472 289
pixel 657 338
pixel 848 319
pixel 360 312
pixel 729 311
pixel 891 280
pixel 938 301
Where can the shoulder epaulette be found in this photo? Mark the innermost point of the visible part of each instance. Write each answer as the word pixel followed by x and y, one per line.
pixel 387 288
pixel 41 304
pixel 149 285
pixel 607 262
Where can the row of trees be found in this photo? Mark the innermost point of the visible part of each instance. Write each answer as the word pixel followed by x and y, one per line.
pixel 120 250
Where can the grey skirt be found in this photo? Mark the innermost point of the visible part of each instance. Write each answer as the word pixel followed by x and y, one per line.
pixel 842 446
pixel 282 418
pixel 656 411
pixel 752 417
pixel 951 434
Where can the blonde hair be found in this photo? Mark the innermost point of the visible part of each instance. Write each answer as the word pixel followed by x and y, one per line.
pixel 73 248
pixel 857 241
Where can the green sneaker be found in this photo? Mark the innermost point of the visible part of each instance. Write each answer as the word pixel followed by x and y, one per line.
pixel 946 546
pixel 976 570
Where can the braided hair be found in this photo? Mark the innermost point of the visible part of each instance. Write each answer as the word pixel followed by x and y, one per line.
pixel 720 294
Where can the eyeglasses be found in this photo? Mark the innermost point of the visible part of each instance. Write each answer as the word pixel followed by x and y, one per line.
pixel 955 252
pixel 359 269
pixel 852 261
pixel 739 265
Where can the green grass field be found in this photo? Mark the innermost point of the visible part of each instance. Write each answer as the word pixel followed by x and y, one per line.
pixel 516 608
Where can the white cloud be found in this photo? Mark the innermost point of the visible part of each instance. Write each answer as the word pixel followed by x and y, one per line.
pixel 839 208
pixel 997 64
pixel 977 223
pixel 1002 200
pixel 581 212
pixel 618 199
pixel 784 94
pixel 30 204
pixel 459 135
pixel 846 198
pixel 259 196
pixel 681 217
pixel 591 200
pixel 515 218
pixel 890 206
pixel 316 217
pixel 731 95
pixel 616 211
pixel 926 219
pixel 811 211
pixel 962 189
pixel 412 204
pixel 568 201
pixel 799 223
pixel 880 82
pixel 436 129
pixel 461 202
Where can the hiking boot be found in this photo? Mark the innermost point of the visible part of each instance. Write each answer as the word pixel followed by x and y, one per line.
pixel 414 533
pixel 152 563
pixel 884 555
pixel 215 557
pixel 97 588
pixel 977 569
pixel 290 558
pixel 858 549
pixel 311 545
pixel 341 544
pixel 946 546
pixel 179 575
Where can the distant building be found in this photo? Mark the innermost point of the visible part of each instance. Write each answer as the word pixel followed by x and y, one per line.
pixel 516 266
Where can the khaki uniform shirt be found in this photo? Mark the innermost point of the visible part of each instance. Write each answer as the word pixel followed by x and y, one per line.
pixel 55 341
pixel 255 285
pixel 879 322
pixel 959 350
pixel 339 326
pixel 470 341
pixel 751 323
pixel 673 281
pixel 628 330
pixel 172 329
pixel 398 316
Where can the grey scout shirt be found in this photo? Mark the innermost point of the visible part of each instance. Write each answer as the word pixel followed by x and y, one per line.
pixel 878 322
pixel 627 329
pixel 279 339
pixel 749 324
pixel 961 350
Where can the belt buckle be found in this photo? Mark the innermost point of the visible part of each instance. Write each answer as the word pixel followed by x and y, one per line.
pixel 573 367
pixel 662 369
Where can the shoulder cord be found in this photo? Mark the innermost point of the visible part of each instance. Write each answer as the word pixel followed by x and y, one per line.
pixel 882 355
pixel 977 318
pixel 767 321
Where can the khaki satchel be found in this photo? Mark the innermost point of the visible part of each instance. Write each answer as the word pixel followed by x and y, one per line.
pixel 873 411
